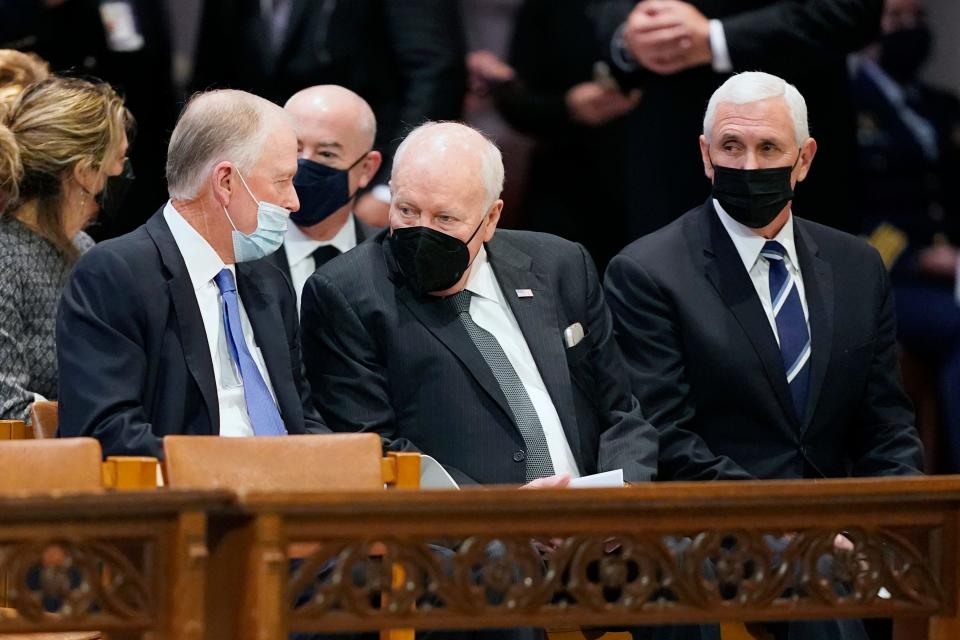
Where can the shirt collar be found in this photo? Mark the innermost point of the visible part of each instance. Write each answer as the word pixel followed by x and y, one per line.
pixel 749 245
pixel 299 246
pixel 203 262
pixel 482 281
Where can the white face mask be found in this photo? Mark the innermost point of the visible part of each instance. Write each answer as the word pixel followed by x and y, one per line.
pixel 267 237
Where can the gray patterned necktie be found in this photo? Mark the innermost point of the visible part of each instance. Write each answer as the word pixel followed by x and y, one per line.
pixel 539 464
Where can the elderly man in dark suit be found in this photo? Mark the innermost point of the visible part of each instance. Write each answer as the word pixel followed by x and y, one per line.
pixel 179 327
pixel 336 129
pixel 491 351
pixel 763 345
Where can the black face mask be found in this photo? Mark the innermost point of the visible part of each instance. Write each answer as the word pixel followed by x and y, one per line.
pixel 322 190
pixel 430 260
pixel 115 190
pixel 753 197
pixel 903 52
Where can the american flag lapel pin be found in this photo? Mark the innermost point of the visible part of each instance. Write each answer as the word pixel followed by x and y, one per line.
pixel 524 293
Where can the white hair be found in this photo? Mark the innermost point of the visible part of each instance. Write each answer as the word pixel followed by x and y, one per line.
pixel 216 126
pixel 753 86
pixel 491 160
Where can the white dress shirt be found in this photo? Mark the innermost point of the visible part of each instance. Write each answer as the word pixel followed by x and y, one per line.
pixel 490 310
pixel 749 245
pixel 203 264
pixel 299 248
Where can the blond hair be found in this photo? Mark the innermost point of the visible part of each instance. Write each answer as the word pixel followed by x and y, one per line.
pixel 50 129
pixel 18 70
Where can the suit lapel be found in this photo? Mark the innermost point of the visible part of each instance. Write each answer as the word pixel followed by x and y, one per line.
pixel 279 259
pixel 818 286
pixel 267 331
pixel 193 335
pixel 540 325
pixel 440 319
pixel 724 269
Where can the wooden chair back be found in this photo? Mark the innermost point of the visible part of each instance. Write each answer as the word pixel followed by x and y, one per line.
pixel 44 418
pixel 289 464
pixel 69 464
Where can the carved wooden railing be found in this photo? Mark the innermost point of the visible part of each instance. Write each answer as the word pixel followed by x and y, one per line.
pixel 132 565
pixel 136 565
pixel 660 554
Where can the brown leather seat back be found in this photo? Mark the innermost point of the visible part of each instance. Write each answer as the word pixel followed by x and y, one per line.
pixel 67 464
pixel 288 463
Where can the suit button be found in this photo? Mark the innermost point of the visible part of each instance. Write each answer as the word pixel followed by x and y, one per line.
pixel 519 455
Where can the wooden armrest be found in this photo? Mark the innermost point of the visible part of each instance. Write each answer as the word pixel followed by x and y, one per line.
pixel 130 473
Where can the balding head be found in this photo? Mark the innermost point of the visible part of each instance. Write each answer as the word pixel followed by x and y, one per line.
pixel 457 147
pixel 216 126
pixel 332 107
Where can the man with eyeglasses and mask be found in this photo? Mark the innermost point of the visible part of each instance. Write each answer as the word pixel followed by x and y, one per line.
pixel 490 350
pixel 760 344
pixel 335 136
pixel 180 327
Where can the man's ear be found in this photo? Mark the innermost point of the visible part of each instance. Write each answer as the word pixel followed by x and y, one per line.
pixel 224 182
pixel 807 150
pixel 705 155
pixel 493 219
pixel 369 167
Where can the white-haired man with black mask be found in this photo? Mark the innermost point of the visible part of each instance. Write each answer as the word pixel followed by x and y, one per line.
pixel 490 350
pixel 760 344
pixel 178 327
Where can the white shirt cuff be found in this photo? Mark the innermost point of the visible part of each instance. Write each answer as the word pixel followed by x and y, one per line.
pixel 718 48
pixel 382 193
pixel 619 52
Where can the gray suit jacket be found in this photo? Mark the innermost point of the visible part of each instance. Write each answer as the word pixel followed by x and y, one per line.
pixel 381 359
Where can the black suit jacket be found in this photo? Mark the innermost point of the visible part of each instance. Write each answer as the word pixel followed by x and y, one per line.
pixel 707 368
pixel 803 41
pixel 406 58
pixel 381 359
pixel 133 353
pixel 279 257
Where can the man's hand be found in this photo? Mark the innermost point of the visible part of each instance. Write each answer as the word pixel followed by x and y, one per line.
pixel 546 546
pixel 591 104
pixel 667 36
pixel 558 481
pixel 940 260
pixel 485 70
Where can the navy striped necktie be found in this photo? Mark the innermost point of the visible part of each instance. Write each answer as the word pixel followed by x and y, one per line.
pixel 791 325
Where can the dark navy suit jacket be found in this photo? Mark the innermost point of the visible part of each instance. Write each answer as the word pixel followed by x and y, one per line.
pixel 707 368
pixel 133 353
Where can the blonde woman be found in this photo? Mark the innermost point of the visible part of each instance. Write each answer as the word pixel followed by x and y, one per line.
pixel 60 140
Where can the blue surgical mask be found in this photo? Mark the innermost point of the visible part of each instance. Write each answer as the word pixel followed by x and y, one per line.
pixel 267 237
pixel 322 190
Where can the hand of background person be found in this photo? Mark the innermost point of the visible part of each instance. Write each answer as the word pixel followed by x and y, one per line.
pixel 559 481
pixel 591 104
pixel 667 36
pixel 374 212
pixel 940 260
pixel 486 69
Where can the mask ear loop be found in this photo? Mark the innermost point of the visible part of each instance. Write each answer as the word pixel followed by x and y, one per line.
pixel 353 196
pixel 244 183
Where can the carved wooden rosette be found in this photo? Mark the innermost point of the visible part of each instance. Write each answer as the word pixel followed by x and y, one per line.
pixel 87 582
pixel 705 575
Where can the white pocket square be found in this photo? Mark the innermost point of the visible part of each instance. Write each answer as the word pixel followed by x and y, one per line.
pixel 573 334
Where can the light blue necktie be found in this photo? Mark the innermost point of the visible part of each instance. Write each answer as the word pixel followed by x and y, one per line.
pixel 791 325
pixel 264 416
